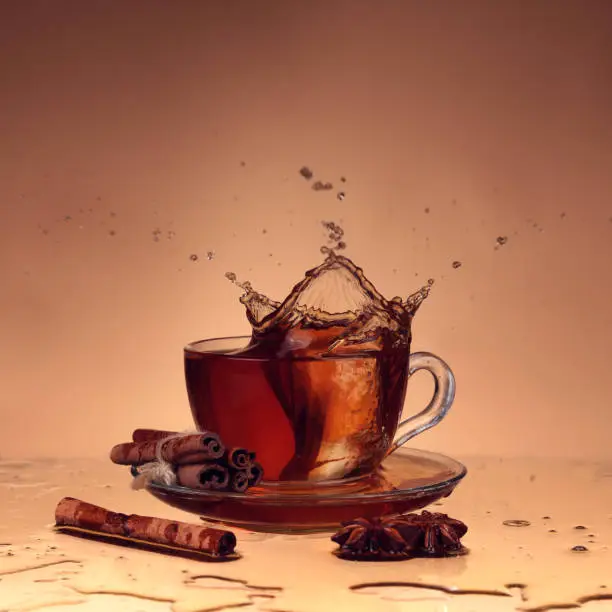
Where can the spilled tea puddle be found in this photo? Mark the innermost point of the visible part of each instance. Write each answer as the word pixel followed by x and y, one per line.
pixel 508 568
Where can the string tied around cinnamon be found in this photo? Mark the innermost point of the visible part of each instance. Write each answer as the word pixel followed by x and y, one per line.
pixel 160 470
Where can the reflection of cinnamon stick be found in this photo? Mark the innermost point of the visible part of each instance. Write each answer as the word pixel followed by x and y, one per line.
pixel 190 448
pixel 177 535
pixel 209 476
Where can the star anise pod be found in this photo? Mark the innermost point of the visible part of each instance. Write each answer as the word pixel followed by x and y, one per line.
pixel 375 539
pixel 439 535
pixel 394 537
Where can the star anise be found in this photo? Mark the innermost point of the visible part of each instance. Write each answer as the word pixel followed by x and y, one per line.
pixel 439 534
pixel 375 538
pixel 393 537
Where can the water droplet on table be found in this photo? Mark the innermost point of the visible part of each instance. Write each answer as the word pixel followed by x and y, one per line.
pixel 516 523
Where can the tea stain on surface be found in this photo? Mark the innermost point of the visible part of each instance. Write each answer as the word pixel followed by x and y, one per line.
pixel 222 582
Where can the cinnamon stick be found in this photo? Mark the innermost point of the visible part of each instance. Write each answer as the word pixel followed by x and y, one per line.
pixel 209 476
pixel 239 482
pixel 190 448
pixel 74 514
pixel 144 434
pixel 238 458
pixel 256 473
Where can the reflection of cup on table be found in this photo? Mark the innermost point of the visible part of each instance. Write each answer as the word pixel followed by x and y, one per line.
pixel 310 416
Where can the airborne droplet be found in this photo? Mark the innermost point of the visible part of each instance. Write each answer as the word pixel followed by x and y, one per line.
pixel 306 172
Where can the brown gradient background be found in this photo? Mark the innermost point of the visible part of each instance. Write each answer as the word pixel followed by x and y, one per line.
pixel 117 118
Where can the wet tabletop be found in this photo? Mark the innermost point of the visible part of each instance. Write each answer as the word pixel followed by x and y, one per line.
pixel 523 566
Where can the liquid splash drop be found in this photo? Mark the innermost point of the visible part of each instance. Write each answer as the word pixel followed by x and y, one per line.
pixel 306 172
pixel 321 186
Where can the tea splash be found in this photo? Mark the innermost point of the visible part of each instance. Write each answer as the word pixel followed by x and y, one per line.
pixel 334 309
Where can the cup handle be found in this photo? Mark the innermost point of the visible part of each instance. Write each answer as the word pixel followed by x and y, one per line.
pixel 444 394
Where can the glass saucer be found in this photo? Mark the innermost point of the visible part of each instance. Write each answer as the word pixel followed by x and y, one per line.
pixel 408 480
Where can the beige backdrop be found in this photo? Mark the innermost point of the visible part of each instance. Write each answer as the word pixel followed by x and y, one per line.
pixel 135 134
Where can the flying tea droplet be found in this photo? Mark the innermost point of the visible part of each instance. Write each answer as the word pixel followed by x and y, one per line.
pixel 210 255
pixel 306 172
pixel 580 548
pixel 341 195
pixel 501 240
pixel 193 257
pixel 456 264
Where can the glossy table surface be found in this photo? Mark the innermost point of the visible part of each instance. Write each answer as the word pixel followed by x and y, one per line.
pixel 508 568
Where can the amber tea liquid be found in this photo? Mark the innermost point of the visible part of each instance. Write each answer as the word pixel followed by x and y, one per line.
pixel 306 416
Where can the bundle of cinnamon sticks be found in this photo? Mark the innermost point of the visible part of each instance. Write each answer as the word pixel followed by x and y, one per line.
pixel 199 460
